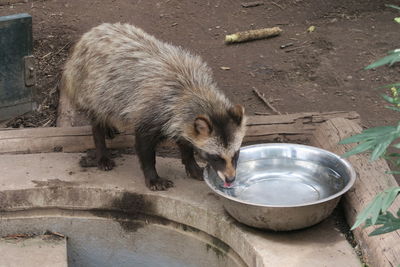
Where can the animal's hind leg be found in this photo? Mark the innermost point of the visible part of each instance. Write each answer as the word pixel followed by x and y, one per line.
pixel 192 168
pixel 104 162
pixel 111 132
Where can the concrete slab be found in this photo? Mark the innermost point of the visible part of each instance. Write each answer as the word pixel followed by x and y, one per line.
pixel 33 182
pixel 37 251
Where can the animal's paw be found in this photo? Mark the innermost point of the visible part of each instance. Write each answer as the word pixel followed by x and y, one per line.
pixel 160 184
pixel 195 172
pixel 105 164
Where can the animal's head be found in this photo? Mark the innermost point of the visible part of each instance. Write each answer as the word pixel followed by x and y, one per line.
pixel 218 138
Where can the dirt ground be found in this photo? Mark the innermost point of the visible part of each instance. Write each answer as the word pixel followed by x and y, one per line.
pixel 322 71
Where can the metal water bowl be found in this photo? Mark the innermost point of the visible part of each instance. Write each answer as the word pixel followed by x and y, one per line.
pixel 284 186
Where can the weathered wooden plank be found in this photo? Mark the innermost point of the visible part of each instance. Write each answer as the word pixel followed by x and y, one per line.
pixel 9 133
pixel 77 139
pixel 303 118
pixel 72 139
pixel 383 250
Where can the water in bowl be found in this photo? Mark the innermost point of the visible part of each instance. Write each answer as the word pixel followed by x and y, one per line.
pixel 284 182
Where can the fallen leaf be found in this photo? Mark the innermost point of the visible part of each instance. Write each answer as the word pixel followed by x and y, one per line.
pixel 311 29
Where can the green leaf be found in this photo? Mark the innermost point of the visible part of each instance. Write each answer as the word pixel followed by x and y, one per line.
pixel 359 149
pixel 397 162
pixel 389 99
pixel 393 108
pixel 389 196
pixel 370 212
pixel 394 154
pixel 380 149
pixel 396 58
pixel 376 210
pixel 397 19
pixel 376 140
pixel 389 86
pixel 380 220
pixel 392 6
pixel 353 139
pixel 391 224
pixel 379 130
pixel 397 50
pixel 368 133
pixel 392 172
pixel 390 59
pixel 390 227
pixel 367 223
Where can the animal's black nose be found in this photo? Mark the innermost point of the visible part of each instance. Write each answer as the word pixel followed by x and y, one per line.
pixel 230 180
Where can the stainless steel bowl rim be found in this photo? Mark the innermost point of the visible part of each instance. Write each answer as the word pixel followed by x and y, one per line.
pixel 352 178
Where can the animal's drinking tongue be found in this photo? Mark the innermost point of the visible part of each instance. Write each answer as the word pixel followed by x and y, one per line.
pixel 227 184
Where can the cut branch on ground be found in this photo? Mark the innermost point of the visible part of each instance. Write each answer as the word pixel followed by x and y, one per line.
pixel 263 99
pixel 252 35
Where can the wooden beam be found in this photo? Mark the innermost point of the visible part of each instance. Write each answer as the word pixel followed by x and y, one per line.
pixel 287 128
pixel 382 250
pixel 302 118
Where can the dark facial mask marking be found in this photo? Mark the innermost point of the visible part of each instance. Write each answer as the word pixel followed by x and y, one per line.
pixel 218 163
pixel 235 159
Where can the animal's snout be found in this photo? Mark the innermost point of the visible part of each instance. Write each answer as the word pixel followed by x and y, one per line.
pixel 230 179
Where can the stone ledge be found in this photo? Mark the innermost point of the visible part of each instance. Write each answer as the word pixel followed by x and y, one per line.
pixel 36 251
pixel 55 180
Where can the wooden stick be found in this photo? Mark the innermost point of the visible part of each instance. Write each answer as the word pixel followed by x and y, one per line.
pixel 277 5
pixel 262 113
pixel 252 35
pixel 261 96
pixel 58 51
pixel 252 4
pixel 382 250
pixel 295 48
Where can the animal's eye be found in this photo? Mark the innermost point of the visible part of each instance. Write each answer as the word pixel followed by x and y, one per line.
pixel 215 158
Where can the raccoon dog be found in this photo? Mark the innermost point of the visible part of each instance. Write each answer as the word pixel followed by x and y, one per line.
pixel 119 75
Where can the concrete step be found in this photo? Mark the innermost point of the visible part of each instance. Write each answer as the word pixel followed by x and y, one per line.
pixel 52 191
pixel 24 250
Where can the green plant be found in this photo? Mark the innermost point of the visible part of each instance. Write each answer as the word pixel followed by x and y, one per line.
pixel 397 19
pixel 392 57
pixel 377 141
pixel 376 213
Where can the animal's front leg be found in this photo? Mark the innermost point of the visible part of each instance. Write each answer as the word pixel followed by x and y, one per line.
pixel 145 148
pixel 192 168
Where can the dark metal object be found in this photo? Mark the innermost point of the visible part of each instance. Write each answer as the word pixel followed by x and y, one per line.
pixel 17 65
pixel 30 74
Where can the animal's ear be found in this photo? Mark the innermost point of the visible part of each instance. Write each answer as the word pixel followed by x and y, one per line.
pixel 236 112
pixel 202 126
